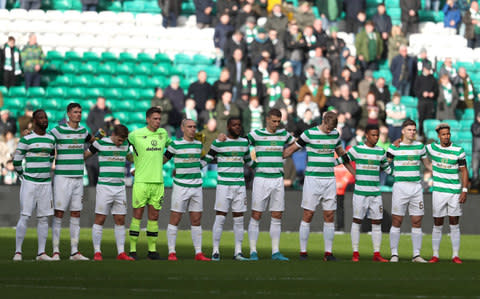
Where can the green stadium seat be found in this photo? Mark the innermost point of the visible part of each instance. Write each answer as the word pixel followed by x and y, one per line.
pixel 15 102
pixel 409 101
pixel 125 69
pixel 155 81
pixel 130 93
pixel 465 136
pixel 454 124
pixel 137 82
pixel 213 71
pixel 52 66
pixel 37 103
pixel 468 114
pixel 60 81
pixel 51 116
pixel 123 105
pixel 70 68
pixel 146 94
pixel 151 7
pixel 133 6
pixel 56 92
pixel 51 104
pixel 181 58
pixel 430 124
pixel 188 8
pixel 17 91
pixel 100 81
pixel 142 69
pixel 122 117
pixel 199 59
pixel 89 67
pixel 91 57
pixel 54 56
pixel 145 57
pixel 87 104
pixel 431 134
pixel 93 93
pixel 106 68
pixel 119 81
pixel 82 80
pixel 161 69
pixel 72 56
pixel 135 117
pixel 465 125
pixel 209 182
pixel 135 126
pixel 126 56
pixel 3 90
pixel 33 92
pixel 112 94
pixel 108 57
pixel 161 58
pixel 74 92
pixel 142 105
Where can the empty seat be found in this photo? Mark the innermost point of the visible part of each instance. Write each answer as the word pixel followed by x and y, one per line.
pixel 33 92
pixel 17 91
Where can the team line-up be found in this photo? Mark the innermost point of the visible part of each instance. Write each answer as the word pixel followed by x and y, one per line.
pixel 263 150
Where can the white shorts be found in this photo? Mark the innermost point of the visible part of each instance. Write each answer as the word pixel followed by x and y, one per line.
pixel 33 195
pixel 367 206
pixel 111 198
pixel 264 189
pixel 234 196
pixel 445 204
pixel 183 197
pixel 68 192
pixel 407 194
pixel 316 190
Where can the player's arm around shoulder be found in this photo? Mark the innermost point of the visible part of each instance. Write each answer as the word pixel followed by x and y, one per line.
pixel 462 163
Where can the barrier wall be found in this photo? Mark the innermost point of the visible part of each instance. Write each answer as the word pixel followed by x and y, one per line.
pixel 9 212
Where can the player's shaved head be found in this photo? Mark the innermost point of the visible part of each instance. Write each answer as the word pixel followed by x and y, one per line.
pixel 187 122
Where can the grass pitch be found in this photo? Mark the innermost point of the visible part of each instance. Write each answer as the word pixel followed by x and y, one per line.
pixel 231 279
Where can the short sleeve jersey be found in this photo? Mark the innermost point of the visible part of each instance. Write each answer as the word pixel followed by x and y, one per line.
pixel 269 149
pixel 406 161
pixel 231 155
pixel 70 145
pixel 38 152
pixel 111 159
pixel 186 157
pixel 369 161
pixel 445 165
pixel 320 151
pixel 148 148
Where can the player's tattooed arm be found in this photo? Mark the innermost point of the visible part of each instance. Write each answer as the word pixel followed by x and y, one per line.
pixel 464 178
pixel 92 150
pixel 295 146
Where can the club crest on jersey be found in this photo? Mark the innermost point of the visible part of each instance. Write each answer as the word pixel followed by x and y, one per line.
pixel 154 143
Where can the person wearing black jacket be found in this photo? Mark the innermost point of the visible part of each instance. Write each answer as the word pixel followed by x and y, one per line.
pixel 236 41
pixel 335 46
pixel 295 45
pixel 410 19
pixel 381 91
pixel 203 12
pixel 426 90
pixel 261 44
pixel 200 91
pixel 10 63
pixel 171 10
pixel 383 24
pixel 352 9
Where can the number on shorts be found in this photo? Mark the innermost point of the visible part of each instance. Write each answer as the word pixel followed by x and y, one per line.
pixel 420 205
pixel 380 208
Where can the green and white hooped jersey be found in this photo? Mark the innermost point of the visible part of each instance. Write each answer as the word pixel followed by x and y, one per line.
pixel 231 156
pixel 111 159
pixel 186 157
pixel 320 151
pixel 406 161
pixel 269 149
pixel 38 152
pixel 369 161
pixel 70 147
pixel 445 166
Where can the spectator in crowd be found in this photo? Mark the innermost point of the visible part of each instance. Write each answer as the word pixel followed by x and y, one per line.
pixel 32 60
pixel 475 129
pixel 211 133
pixel 222 33
pixel 320 34
pixel 426 90
pixel 369 46
pixel 329 11
pixel 250 30
pixel 381 91
pixel 307 103
pixel 409 17
pixel 8 123
pixel 89 5
pixel 372 112
pixel 3 4
pixel 203 12
pixel 243 15
pixel 25 122
pixel 256 114
pixel 318 62
pixel 394 42
pixel 352 10
pixel 163 103
pixel 384 143
pixel 226 109
pixel 312 88
pixel 448 69
pixel 261 46
pixel 432 5
pixel 9 174
pixel 229 7
pixel 223 84
pixel 263 72
pixel 422 61
pixel 189 112
pixel 278 49
pixel 325 88
pixel 304 15
pixel 8 144
pixel 176 95
pixel 311 41
pixel 383 25
pixel 251 84
pixel 237 68
pixel 286 102
pixel 396 115
pixel 200 90
pixel 30 4
pixel 274 90
pixel 447 99
pixel 335 47
pixel 452 16
pixel 277 21
pixel 235 42
pixel 348 106
pixel 351 73
pixel 242 103
pixel 208 113
pixel 471 19
pixel 346 132
pixel 171 10
pixel 364 85
pixel 465 88
pixel 295 46
pixel 289 79
pixel 403 70
pixel 10 62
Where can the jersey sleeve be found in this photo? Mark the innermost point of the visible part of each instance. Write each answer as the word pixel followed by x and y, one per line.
pixel 251 139
pixel 338 142
pixel 20 153
pixel 95 147
pixel 172 149
pixel 212 153
pixel 54 133
pixel 303 140
pixel 352 154
pixel 423 152
pixel 384 165
pixel 131 139
pixel 289 139
pixel 248 158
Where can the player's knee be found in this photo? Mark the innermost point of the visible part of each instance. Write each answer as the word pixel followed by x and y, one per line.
pixel 119 219
pixel 58 214
pixel 277 215
pixel 75 214
pixel 256 215
pixel 24 218
pixel 356 220
pixel 42 220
